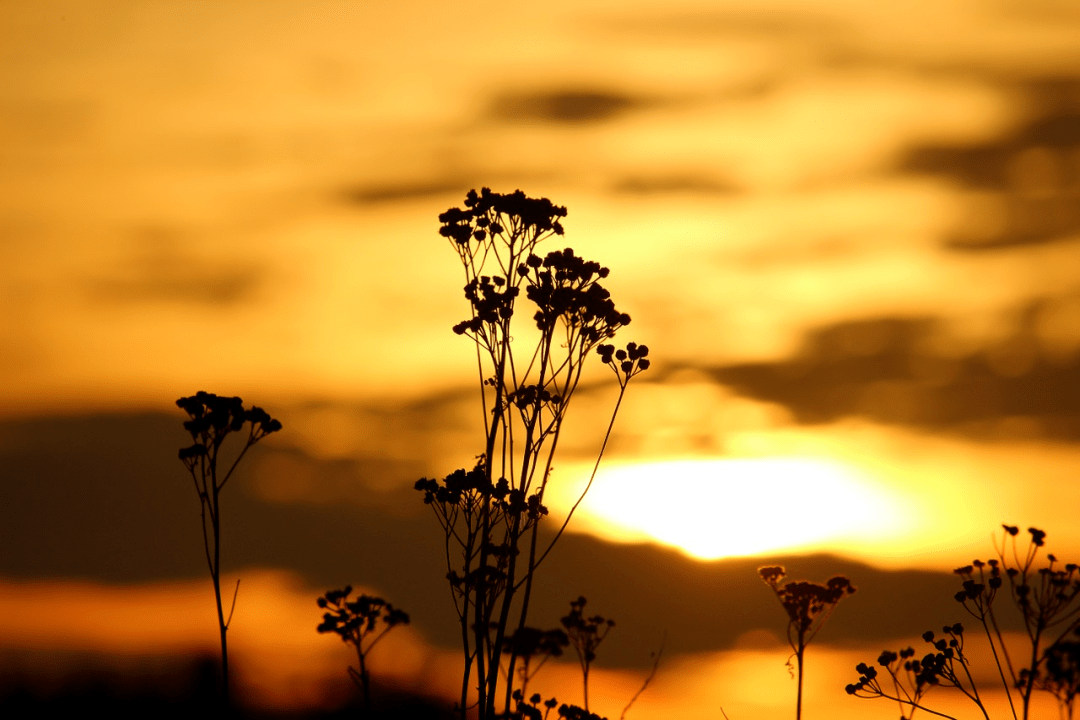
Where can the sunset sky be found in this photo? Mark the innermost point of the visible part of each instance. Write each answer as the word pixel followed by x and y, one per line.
pixel 849 232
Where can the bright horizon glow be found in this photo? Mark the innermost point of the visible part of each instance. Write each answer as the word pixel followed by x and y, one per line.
pixel 717 508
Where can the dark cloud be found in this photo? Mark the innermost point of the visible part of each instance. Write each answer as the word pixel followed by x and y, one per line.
pixel 1023 187
pixel 561 106
pixel 159 269
pixel 227 286
pixel 658 184
pixel 391 193
pixel 891 370
pixel 104 498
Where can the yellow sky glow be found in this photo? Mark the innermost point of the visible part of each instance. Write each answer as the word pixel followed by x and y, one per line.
pixel 716 508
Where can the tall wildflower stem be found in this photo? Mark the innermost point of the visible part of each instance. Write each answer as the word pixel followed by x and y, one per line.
pixel 490 512
pixel 808 605
pixel 592 476
pixel 212 419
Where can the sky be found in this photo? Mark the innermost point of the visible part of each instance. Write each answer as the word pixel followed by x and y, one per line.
pixel 848 232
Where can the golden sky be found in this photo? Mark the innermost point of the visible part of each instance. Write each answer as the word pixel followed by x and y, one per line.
pixel 849 232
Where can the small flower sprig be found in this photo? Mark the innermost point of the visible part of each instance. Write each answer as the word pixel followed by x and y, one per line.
pixel 491 523
pixel 213 419
pixel 586 634
pixel 1061 674
pixel 808 605
pixel 627 363
pixel 912 677
pixel 1047 597
pixel 531 710
pixel 533 648
pixel 573 712
pixel 1048 600
pixel 361 623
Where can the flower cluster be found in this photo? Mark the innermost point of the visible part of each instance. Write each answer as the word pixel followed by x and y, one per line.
pixel 492 213
pixel 586 633
pixel 626 363
pixel 807 604
pixel 1048 601
pixel 355 620
pixel 469 490
pixel 492 301
pixel 573 712
pixel 1046 596
pixel 362 623
pixel 528 396
pixel 213 417
pixel 1061 675
pixel 531 710
pixel 565 286
pixel 533 648
pixel 980 584
pixel 912 677
pixel 456 487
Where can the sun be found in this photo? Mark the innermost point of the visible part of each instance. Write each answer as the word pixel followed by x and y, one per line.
pixel 715 508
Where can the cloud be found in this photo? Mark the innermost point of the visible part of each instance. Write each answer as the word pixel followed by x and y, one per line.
pixel 159 269
pixel 909 371
pixel 656 184
pixel 571 107
pixel 1022 187
pixel 390 193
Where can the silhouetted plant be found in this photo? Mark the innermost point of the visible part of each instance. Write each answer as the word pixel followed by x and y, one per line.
pixel 573 712
pixel 1048 601
pixel 530 710
pixel 1061 674
pixel 362 623
pixel 491 515
pixel 808 605
pixel 586 634
pixel 911 678
pixel 214 418
pixel 533 648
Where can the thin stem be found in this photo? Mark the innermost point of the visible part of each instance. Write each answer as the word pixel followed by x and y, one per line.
pixel 1001 670
pixel 592 476
pixel 232 608
pixel 799 662
pixel 649 679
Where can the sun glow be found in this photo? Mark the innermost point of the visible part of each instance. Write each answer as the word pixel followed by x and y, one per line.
pixel 712 508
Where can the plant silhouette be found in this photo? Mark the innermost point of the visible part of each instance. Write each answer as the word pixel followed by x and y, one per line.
pixel 491 515
pixel 1061 676
pixel 912 677
pixel 586 634
pixel 361 623
pixel 214 418
pixel 808 605
pixel 1047 599
pixel 533 648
